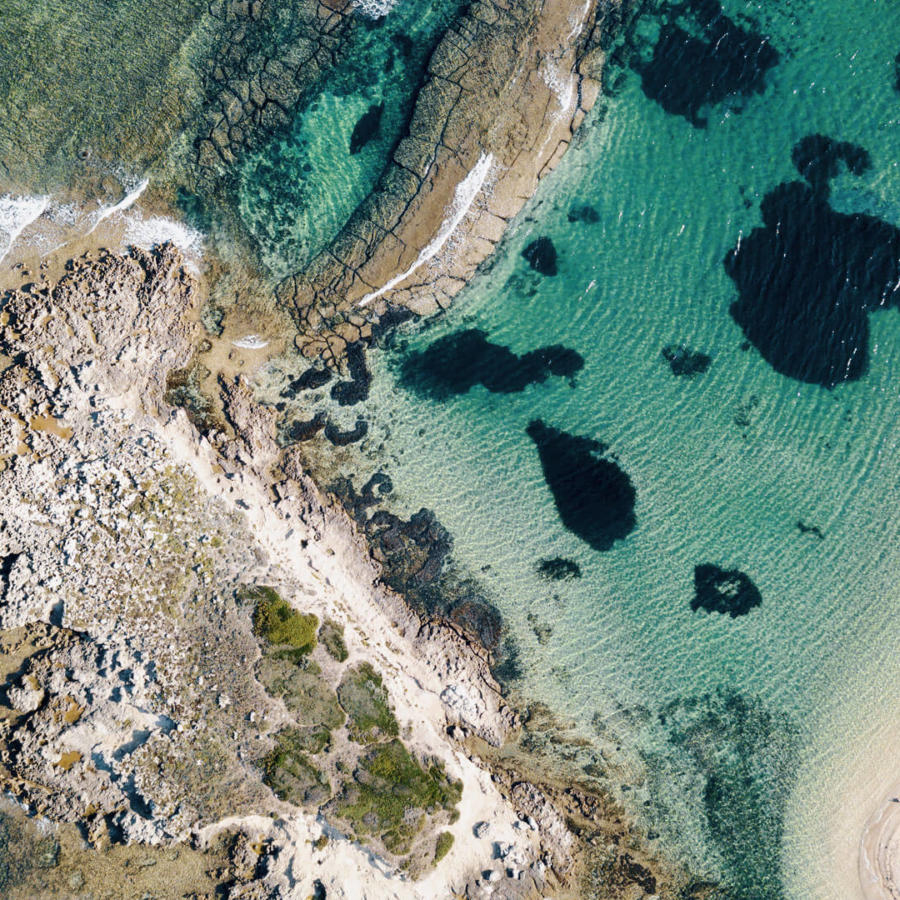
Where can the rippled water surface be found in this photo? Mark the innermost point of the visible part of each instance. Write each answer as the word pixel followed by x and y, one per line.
pixel 698 413
pixel 748 464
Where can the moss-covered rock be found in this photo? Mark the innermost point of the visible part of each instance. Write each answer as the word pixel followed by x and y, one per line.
pixel 290 774
pixel 365 700
pixel 391 794
pixel 443 845
pixel 300 685
pixel 331 636
pixel 280 624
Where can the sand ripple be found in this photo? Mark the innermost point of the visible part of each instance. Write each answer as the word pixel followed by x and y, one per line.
pixel 879 852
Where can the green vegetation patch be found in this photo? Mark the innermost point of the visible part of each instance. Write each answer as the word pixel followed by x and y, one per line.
pixel 277 621
pixel 331 636
pixel 443 845
pixel 314 739
pixel 290 774
pixel 364 698
pixel 300 685
pixel 391 794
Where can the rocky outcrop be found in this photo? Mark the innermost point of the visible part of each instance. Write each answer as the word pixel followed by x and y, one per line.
pixel 140 702
pixel 508 86
pixel 268 57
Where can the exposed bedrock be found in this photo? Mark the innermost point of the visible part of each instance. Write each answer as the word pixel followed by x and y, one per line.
pixel 504 92
pixel 269 55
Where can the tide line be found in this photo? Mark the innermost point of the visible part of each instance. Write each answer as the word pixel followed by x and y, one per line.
pixel 463 198
pixel 129 200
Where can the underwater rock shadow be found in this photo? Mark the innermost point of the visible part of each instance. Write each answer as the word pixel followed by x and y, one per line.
pixel 684 362
pixel 809 276
pixel 540 254
pixel 726 591
pixel 457 362
pixel 704 63
pixel 594 496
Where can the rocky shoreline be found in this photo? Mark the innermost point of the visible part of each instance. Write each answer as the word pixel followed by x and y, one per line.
pixel 505 91
pixel 144 703
pixel 107 720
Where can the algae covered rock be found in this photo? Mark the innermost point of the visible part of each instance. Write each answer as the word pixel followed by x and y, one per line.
pixel 288 771
pixel 277 621
pixel 364 699
pixel 331 636
pixel 391 793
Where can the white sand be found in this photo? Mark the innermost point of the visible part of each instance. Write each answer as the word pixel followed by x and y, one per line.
pixel 842 839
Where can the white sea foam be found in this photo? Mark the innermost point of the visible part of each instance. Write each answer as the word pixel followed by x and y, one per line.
pixel 149 233
pixel 463 198
pixel 251 342
pixel 125 203
pixel 563 85
pixel 16 214
pixel 577 22
pixel 374 9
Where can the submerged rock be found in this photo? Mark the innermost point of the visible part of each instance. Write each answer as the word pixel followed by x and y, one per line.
pixel 366 128
pixel 594 496
pixel 685 362
pixel 311 379
pixel 809 276
pixel 541 256
pixel 343 438
pixel 558 569
pixel 348 393
pixel 818 159
pixel 300 430
pixel 742 753
pixel 584 213
pixel 457 362
pixel 705 62
pixel 724 591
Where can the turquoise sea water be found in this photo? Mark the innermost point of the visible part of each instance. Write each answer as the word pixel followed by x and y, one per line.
pixel 725 713
pixel 299 189
pixel 734 733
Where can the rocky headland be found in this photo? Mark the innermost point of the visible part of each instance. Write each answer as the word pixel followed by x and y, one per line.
pixel 203 650
pixel 505 91
pixel 197 641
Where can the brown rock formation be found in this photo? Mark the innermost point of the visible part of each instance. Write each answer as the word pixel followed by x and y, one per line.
pixel 509 80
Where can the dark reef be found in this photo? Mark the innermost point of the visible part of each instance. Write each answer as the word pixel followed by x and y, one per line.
pixel 311 379
pixel 541 256
pixel 684 361
pixel 558 569
pixel 300 430
pixel 818 159
pixel 343 438
pixel 704 60
pixel 594 496
pixel 414 553
pixel 366 128
pixel 457 362
pixel 724 591
pixel 584 213
pixel 814 530
pixel 809 277
pixel 745 756
pixel 348 393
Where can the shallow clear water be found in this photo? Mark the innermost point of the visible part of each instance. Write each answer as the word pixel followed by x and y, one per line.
pixel 724 464
pixel 87 88
pixel 298 191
